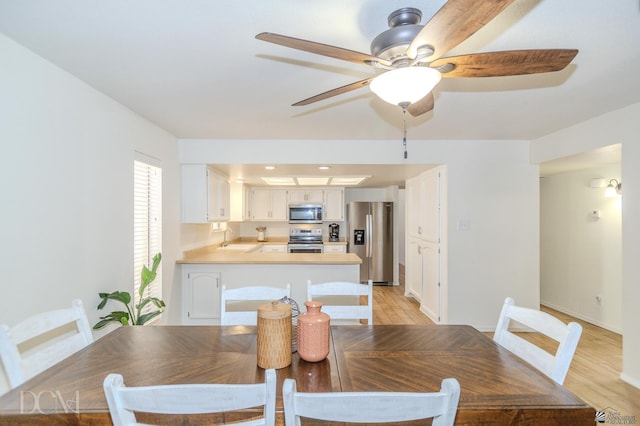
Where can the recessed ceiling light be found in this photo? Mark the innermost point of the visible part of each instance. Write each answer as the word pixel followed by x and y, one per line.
pixel 278 180
pixel 312 180
pixel 348 180
pixel 270 167
pixel 324 167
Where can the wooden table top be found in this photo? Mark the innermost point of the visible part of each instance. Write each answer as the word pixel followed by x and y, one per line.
pixel 496 386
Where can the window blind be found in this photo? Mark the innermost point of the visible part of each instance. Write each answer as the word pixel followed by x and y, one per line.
pixel 147 225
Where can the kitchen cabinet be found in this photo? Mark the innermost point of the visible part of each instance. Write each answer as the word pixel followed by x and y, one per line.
pixel 423 256
pixel 268 204
pixel 423 195
pixel 413 269
pixel 200 295
pixel 305 196
pixel 335 248
pixel 273 274
pixel 219 197
pixel 239 209
pixel 273 248
pixel 422 276
pixel 333 200
pixel 205 195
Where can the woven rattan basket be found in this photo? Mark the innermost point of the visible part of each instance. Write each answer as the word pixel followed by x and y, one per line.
pixel 274 335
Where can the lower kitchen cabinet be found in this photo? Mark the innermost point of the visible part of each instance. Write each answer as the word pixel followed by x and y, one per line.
pixel 273 248
pixel 335 248
pixel 200 295
pixel 201 283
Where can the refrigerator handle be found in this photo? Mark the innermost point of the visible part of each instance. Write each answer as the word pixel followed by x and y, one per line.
pixel 369 234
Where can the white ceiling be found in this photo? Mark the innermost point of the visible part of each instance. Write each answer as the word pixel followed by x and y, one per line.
pixel 194 67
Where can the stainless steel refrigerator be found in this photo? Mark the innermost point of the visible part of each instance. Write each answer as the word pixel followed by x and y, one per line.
pixel 370 231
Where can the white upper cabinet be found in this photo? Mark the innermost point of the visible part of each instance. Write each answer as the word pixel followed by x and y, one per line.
pixel 305 196
pixel 240 202
pixel 333 200
pixel 219 197
pixel 268 204
pixel 205 195
pixel 423 218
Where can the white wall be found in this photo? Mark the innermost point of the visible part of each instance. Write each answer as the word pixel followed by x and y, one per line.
pixel 621 126
pixel 67 189
pixel 580 255
pixel 491 185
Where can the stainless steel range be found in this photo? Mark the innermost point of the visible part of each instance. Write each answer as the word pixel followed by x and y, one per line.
pixel 305 240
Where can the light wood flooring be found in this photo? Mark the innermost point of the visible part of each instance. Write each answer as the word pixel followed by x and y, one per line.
pixel 594 375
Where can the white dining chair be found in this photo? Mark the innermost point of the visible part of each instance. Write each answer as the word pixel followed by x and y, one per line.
pixel 125 401
pixel 42 340
pixel 371 407
pixel 555 365
pixel 247 299
pixel 330 291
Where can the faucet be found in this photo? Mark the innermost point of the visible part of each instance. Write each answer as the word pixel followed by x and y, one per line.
pixel 224 241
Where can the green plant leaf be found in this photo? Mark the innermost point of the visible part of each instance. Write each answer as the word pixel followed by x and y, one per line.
pixel 118 316
pixel 158 302
pixel 132 316
pixel 147 276
pixel 142 319
pixel 121 296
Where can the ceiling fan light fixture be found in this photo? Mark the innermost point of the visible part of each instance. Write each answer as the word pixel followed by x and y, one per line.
pixel 405 85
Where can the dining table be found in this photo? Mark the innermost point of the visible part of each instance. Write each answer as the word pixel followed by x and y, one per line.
pixel 497 387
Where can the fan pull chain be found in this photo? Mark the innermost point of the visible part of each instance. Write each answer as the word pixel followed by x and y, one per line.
pixel 404 126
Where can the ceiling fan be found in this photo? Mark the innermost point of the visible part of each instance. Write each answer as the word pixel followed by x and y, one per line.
pixel 412 54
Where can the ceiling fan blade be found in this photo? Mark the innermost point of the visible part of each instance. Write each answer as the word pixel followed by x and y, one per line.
pixel 422 106
pixel 511 62
pixel 456 21
pixel 335 92
pixel 323 49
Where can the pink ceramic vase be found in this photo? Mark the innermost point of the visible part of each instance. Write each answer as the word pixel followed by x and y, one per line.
pixel 313 333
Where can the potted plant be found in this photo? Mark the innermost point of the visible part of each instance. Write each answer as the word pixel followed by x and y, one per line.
pixel 133 315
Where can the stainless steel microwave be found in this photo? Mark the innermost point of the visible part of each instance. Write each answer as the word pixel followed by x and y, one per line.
pixel 305 213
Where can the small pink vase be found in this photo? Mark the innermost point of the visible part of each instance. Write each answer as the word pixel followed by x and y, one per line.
pixel 313 333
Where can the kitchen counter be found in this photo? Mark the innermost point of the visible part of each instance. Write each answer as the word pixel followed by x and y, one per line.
pixel 216 254
pixel 206 269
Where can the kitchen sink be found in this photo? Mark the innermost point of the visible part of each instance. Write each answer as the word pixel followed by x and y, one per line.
pixel 239 247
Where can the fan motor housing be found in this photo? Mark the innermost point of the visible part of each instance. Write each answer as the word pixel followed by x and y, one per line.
pixel 403 28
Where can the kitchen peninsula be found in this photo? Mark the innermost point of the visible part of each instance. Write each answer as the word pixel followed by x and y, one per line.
pixel 205 270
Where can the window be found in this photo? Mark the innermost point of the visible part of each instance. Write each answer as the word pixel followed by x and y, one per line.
pixel 147 222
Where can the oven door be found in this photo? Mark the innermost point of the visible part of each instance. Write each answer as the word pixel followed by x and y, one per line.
pixel 304 248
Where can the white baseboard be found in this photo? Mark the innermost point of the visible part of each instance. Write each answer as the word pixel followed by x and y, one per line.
pixel 580 316
pixel 630 380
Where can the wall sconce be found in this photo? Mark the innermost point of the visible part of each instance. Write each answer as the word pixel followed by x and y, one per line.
pixel 613 190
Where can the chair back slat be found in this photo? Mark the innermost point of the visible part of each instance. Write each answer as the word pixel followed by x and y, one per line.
pixel 43 340
pixel 555 365
pixel 339 289
pixel 185 399
pixel 371 407
pixel 248 298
